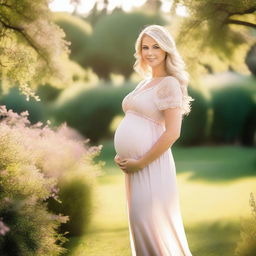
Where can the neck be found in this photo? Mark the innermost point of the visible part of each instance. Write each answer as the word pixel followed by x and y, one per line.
pixel 159 72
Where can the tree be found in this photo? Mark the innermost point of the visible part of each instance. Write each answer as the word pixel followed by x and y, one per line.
pixel 112 42
pixel 98 10
pixel 220 30
pixel 32 47
pixel 78 32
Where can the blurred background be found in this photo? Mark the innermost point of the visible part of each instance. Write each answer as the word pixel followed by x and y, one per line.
pixel 77 57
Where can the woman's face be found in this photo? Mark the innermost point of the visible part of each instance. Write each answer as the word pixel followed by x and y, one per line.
pixel 151 52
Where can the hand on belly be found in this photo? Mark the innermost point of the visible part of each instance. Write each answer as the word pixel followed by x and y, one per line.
pixel 128 165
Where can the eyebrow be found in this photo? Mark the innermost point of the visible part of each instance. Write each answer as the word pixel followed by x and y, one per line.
pixel 147 45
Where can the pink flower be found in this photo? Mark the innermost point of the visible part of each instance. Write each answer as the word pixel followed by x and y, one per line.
pixel 3 228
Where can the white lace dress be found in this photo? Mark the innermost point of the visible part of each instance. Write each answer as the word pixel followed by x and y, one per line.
pixel 154 217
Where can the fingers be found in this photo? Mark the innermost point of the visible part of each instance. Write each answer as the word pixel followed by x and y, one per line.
pixel 122 166
pixel 121 163
pixel 116 158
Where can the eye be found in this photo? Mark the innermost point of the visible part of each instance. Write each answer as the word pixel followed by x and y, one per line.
pixel 156 47
pixel 144 47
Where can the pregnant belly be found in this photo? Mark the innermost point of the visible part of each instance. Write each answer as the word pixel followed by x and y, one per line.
pixel 135 135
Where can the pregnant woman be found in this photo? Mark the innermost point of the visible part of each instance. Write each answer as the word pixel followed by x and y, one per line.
pixel 153 115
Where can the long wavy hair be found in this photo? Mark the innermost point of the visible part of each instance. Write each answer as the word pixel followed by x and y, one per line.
pixel 175 65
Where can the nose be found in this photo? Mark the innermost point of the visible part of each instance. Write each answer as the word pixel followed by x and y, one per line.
pixel 150 52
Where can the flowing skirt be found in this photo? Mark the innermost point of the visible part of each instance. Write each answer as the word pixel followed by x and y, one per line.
pixel 154 217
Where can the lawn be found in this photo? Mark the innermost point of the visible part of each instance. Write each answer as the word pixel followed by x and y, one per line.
pixel 214 189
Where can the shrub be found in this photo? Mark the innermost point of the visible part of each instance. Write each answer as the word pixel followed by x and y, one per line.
pixel 249 128
pixel 194 127
pixel 59 156
pixel 76 202
pixel 47 93
pixel 27 228
pixel 16 101
pixel 91 111
pixel 231 109
pixel 70 161
pixel 65 156
pixel 78 32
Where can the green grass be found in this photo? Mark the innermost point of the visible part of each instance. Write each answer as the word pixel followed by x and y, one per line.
pixel 214 188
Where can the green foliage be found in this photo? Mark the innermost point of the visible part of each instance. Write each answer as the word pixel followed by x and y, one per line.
pixel 194 126
pixel 76 202
pixel 17 102
pixel 32 48
pixel 48 93
pixel 232 106
pixel 113 39
pixel 248 133
pixel 247 244
pixel 91 111
pixel 77 32
pixel 221 31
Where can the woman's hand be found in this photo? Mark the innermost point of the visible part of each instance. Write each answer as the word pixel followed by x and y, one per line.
pixel 128 165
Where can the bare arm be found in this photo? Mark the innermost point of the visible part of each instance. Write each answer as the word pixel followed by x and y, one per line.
pixel 173 121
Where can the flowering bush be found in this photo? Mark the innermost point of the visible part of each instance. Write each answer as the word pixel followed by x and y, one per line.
pixel 34 162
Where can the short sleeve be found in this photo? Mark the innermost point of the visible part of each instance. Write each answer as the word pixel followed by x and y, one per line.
pixel 168 94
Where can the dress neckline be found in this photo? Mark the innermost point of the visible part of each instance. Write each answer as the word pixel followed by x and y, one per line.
pixel 145 83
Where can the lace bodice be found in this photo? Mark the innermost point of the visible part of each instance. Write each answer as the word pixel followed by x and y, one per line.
pixel 150 101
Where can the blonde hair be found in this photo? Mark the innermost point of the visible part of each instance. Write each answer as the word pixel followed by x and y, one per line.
pixel 175 65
